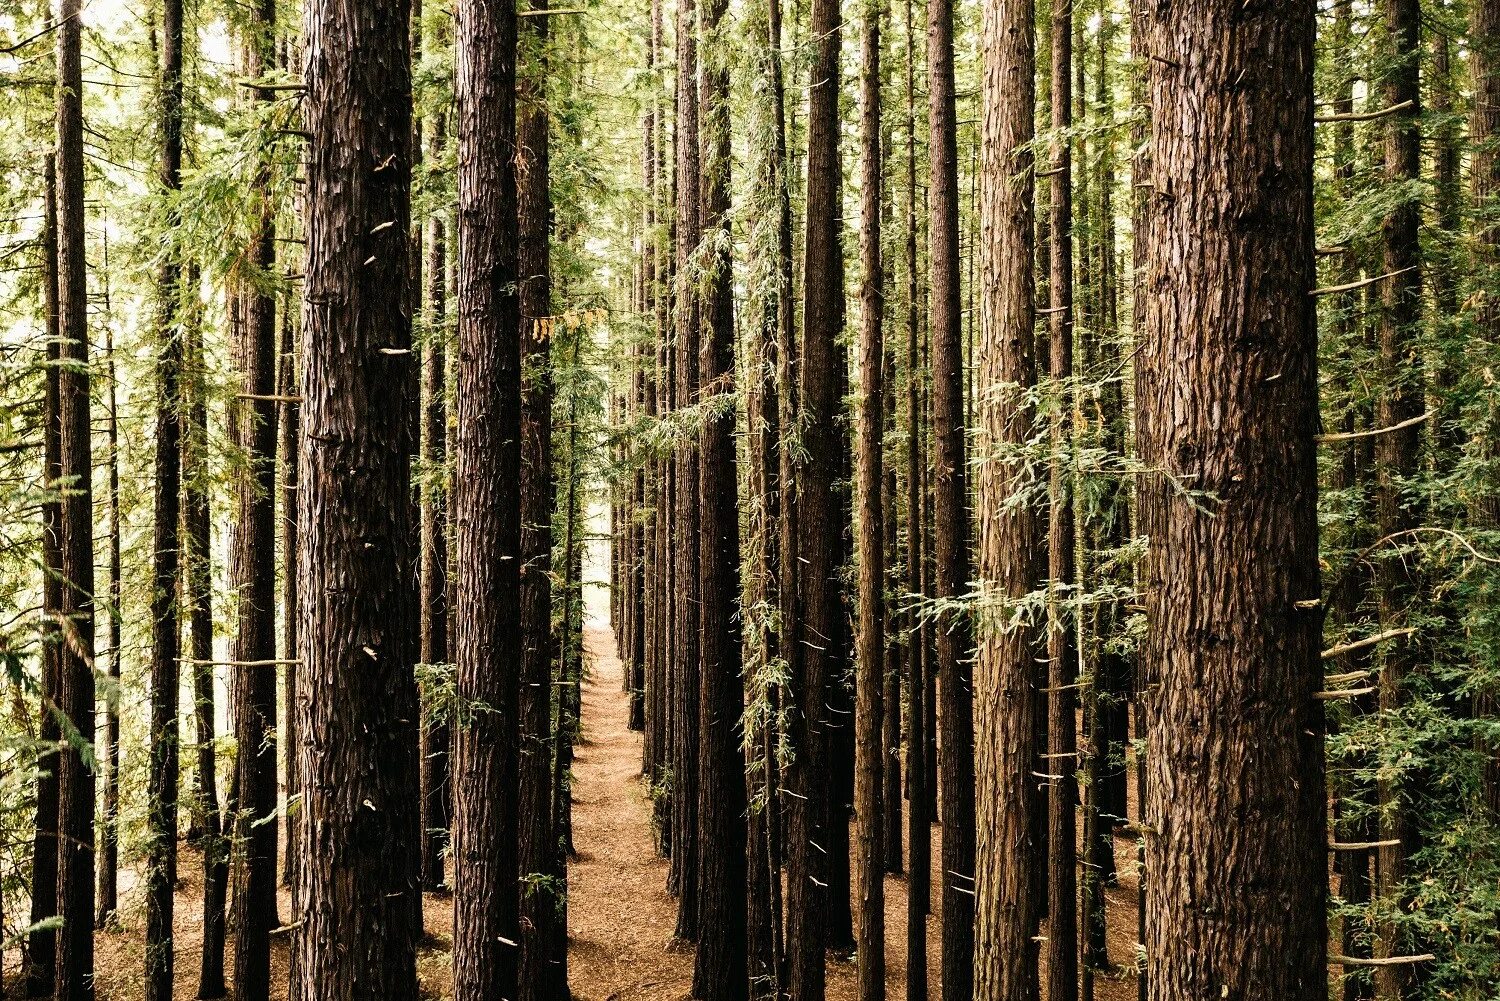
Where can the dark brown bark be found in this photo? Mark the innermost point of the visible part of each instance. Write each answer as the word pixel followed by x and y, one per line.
pixel 437 736
pixel 357 887
pixel 890 696
pixel 490 644
pixel 289 432
pixel 75 702
pixel 685 687
pixel 819 532
pixel 1060 763
pixel 1236 897
pixel 41 944
pixel 540 906
pixel 253 576
pixel 166 632
pixel 1397 460
pixel 952 568
pixel 869 705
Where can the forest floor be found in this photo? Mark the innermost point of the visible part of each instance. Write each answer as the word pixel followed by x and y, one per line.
pixel 620 916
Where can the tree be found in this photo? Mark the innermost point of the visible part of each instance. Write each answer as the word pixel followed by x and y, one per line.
pixel 166 632
pixel 1005 730
pixel 950 498
pixel 489 649
pixel 75 672
pixel 540 897
pixel 1237 563
pixel 357 886
pixel 720 972
pixel 869 706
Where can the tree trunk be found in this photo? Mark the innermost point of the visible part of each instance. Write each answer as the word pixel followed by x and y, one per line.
pixel 106 897
pixel 818 539
pixel 540 899
pixel 869 704
pixel 1231 593
pixel 357 888
pixel 290 434
pixel 76 703
pixel 41 944
pixel 490 644
pixel 950 517
pixel 166 632
pixel 1397 461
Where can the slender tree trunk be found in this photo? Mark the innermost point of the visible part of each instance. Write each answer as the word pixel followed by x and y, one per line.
pixel 41 944
pixel 166 631
pixel 720 971
pixel 1397 460
pixel 818 532
pixel 685 847
pixel 869 706
pixel 1245 575
pixel 106 897
pixel 950 499
pixel 357 889
pixel 540 902
pixel 76 703
pixel 1062 654
pixel 290 434
pixel 490 645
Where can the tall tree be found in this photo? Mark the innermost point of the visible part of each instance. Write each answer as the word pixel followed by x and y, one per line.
pixel 75 701
pixel 719 972
pixel 1062 656
pixel 540 903
pixel 107 896
pixel 1005 880
pixel 1226 308
pixel 166 632
pixel 41 943
pixel 1397 461
pixel 357 886
pixel 253 572
pixel 952 564
pixel 869 705
pixel 489 650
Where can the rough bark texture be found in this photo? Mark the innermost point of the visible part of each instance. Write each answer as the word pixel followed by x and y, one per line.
pixel 437 736
pixel 75 701
pixel 818 530
pixel 869 671
pixel 1398 456
pixel 1061 762
pixel 1235 902
pixel 952 566
pixel 162 781
pixel 540 903
pixel 686 539
pixel 253 576
pixel 720 972
pixel 1005 732
pixel 489 648
pixel 357 885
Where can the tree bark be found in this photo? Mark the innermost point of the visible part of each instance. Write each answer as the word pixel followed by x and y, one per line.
pixel 166 633
pixel 490 645
pixel 1236 901
pixel 357 888
pixel 106 897
pixel 76 702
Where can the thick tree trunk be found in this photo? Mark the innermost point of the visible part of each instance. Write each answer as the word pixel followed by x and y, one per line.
pixel 41 943
pixel 1236 899
pixel 869 671
pixel 818 549
pixel 720 971
pixel 952 569
pixel 357 888
pixel 253 573
pixel 166 632
pixel 75 702
pixel 490 645
pixel 1061 761
pixel 540 900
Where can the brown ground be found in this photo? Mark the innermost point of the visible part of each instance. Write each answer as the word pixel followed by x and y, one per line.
pixel 620 916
